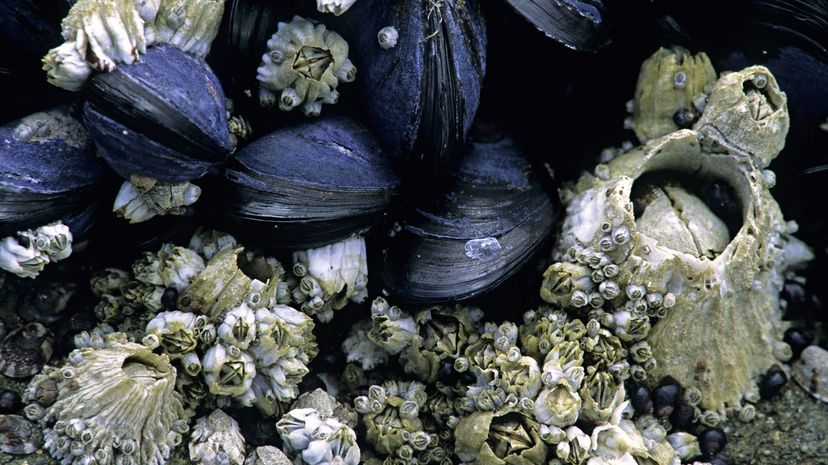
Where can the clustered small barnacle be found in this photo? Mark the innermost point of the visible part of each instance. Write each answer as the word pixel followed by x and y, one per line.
pixel 27 253
pixel 99 34
pixel 304 64
pixel 216 440
pixel 313 433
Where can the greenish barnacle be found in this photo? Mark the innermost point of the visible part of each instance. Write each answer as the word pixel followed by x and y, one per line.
pixel 746 115
pixel 541 330
pixel 391 415
pixel 139 416
pixel 209 242
pixel 564 280
pixel 220 286
pixel 27 253
pixel 671 80
pixel 733 289
pixel 496 438
pixel 142 198
pixel 177 333
pixel 392 329
pixel 171 266
pixel 601 395
pixel 228 371
pixel 216 440
pixel 190 25
pixel 304 64
pixel 330 276
pixel 443 333
pixel 315 440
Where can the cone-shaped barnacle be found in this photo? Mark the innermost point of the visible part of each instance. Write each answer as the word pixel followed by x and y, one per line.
pixel 420 96
pixel 392 329
pixel 46 201
pixel 499 438
pixel 142 198
pixel 284 346
pixel 330 276
pixel 617 440
pixel 712 251
pixel 601 395
pixel 209 242
pixel 573 449
pixel 670 94
pixel 220 286
pixel 172 266
pixel 216 440
pixel 541 331
pixel 391 415
pixel 304 64
pixel 558 403
pixel 176 333
pixel 443 333
pixel 315 440
pixel 100 34
pixel 139 416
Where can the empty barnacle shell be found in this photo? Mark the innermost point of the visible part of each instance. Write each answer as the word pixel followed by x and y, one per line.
pixel 304 64
pixel 577 24
pixel 139 416
pixel 19 436
pixel 489 223
pixel 48 171
pixel 421 95
pixel 163 117
pixel 670 81
pixel 25 350
pixel 746 114
pixel 274 197
pixel 811 372
pixel 216 440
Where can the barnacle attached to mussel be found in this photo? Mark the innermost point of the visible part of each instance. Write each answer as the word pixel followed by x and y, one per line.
pixel 49 180
pixel 304 64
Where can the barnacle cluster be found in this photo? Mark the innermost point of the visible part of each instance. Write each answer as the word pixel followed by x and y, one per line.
pixel 652 266
pixel 27 253
pixel 99 34
pixel 142 198
pixel 304 64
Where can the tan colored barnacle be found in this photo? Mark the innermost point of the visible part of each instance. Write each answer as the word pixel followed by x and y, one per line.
pixel 541 331
pixel 671 80
pixel 138 416
pixel 731 286
pixel 142 198
pixel 601 395
pixel 190 25
pixel 220 286
pixel 498 438
pixel 562 279
pixel 175 332
pixel 304 64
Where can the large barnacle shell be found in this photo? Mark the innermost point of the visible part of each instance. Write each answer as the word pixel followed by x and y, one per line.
pixel 216 440
pixel 317 440
pixel 746 114
pixel 671 80
pixel 138 414
pixel 734 291
pixel 220 286
pixel 490 438
pixel 303 66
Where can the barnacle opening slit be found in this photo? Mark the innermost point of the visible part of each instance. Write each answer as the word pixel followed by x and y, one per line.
pixel 508 436
pixel 143 369
pixel 312 62
pixel 703 213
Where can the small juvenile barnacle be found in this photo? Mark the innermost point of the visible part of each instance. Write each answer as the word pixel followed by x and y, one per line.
pixel 305 63
pixel 388 37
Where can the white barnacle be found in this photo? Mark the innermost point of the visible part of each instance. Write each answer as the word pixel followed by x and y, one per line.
pixel 305 62
pixel 216 440
pixel 27 253
pixel 317 441
pixel 337 7
pixel 388 37
pixel 239 327
pixel 141 198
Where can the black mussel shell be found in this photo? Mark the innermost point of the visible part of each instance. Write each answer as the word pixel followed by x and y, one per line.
pixel 306 185
pixel 481 231
pixel 48 172
pixel 163 117
pixel 578 24
pixel 31 27
pixel 420 96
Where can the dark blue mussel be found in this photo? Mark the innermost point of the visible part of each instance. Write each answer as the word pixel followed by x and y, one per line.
pixel 490 223
pixel 164 117
pixel 578 24
pixel 48 172
pixel 305 186
pixel 420 96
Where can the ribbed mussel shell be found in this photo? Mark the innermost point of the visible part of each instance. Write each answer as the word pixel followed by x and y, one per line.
pixel 420 96
pixel 306 185
pixel 163 117
pixel 48 171
pixel 476 235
